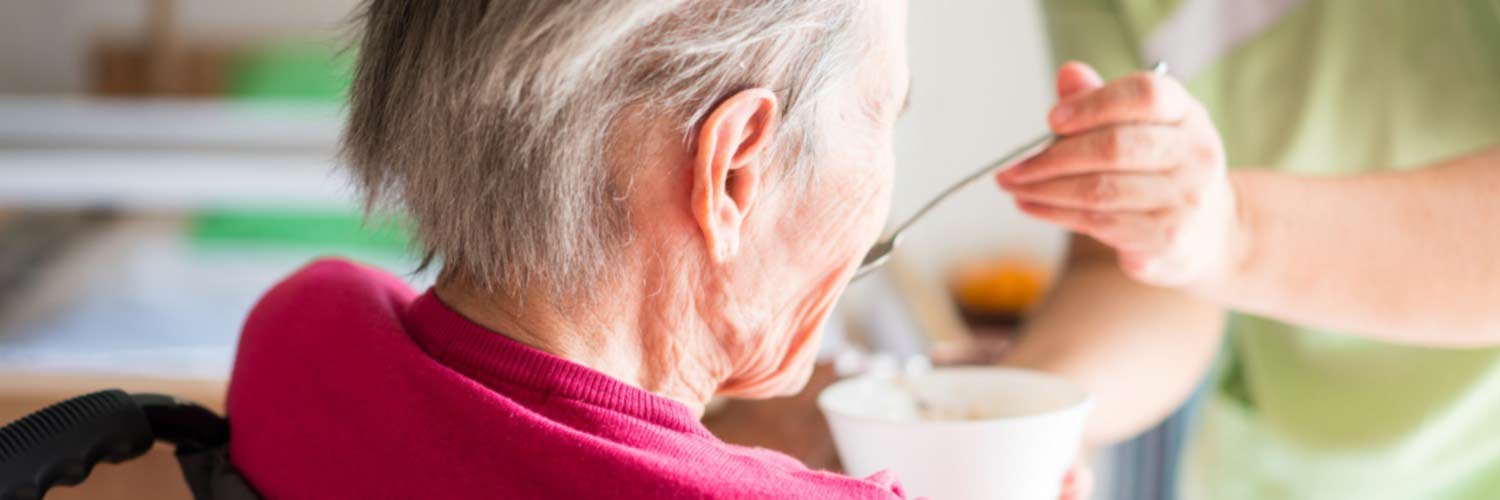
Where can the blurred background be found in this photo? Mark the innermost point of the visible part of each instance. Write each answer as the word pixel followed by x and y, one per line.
pixel 163 162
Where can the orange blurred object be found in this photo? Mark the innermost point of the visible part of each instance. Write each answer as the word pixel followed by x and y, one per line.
pixel 1001 287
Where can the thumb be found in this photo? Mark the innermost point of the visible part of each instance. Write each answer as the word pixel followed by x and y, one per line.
pixel 1074 77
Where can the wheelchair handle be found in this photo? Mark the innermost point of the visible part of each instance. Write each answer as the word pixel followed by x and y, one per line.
pixel 61 444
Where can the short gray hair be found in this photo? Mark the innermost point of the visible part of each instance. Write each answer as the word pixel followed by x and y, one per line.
pixel 488 121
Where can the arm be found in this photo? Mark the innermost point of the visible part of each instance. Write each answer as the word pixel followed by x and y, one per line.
pixel 1097 326
pixel 1408 256
pixel 1111 334
pixel 1411 257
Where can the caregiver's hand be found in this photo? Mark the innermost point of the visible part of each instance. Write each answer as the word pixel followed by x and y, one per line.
pixel 1138 166
pixel 1079 483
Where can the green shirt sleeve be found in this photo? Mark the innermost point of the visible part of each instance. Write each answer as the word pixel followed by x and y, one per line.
pixel 1095 32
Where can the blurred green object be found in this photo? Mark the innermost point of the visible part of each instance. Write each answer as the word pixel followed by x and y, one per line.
pixel 318 72
pixel 330 231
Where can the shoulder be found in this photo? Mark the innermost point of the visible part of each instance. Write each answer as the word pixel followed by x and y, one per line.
pixel 326 304
pixel 330 288
pixel 311 322
pixel 320 346
pixel 332 278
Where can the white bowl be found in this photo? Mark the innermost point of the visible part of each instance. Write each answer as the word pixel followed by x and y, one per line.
pixel 1019 433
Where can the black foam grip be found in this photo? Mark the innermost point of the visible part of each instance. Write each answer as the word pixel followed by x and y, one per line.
pixel 60 444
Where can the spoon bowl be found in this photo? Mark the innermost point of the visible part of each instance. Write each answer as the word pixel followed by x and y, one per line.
pixel 880 253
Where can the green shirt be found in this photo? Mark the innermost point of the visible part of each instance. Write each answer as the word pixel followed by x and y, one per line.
pixel 1330 87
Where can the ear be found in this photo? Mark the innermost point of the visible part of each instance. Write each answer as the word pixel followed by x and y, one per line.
pixel 730 166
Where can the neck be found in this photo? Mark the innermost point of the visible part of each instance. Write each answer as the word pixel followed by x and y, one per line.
pixel 645 337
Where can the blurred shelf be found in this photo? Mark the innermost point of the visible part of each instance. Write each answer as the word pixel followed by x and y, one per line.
pixel 54 122
pixel 168 180
pixel 168 154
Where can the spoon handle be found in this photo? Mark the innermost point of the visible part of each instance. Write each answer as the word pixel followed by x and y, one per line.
pixel 878 254
pixel 1026 150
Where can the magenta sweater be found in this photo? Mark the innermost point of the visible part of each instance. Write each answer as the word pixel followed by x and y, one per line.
pixel 349 385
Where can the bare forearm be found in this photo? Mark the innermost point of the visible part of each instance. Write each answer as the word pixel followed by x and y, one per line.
pixel 1410 256
pixel 1139 349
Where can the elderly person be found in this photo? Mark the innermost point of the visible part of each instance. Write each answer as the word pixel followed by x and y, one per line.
pixel 635 205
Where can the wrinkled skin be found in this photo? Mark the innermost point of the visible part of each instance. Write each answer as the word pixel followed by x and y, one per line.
pixel 734 264
pixel 1140 167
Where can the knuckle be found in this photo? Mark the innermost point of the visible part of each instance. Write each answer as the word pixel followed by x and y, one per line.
pixel 1113 146
pixel 1162 217
pixel 1191 197
pixel 1095 189
pixel 1152 145
pixel 1147 90
pixel 1170 234
pixel 1187 186
pixel 1205 153
pixel 1170 224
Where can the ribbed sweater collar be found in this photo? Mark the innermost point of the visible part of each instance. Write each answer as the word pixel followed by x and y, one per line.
pixel 494 360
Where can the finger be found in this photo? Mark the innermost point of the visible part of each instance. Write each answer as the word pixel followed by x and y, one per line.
pixel 1078 484
pixel 1074 77
pixel 1069 492
pixel 1069 487
pixel 1106 192
pixel 1138 98
pixel 1137 232
pixel 1137 265
pixel 1125 148
pixel 1083 483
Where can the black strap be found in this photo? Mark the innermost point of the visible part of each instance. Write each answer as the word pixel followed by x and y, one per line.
pixel 210 476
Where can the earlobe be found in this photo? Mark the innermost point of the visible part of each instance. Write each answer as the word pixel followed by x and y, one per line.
pixel 732 153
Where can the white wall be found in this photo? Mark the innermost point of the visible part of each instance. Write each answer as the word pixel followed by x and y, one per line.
pixel 981 85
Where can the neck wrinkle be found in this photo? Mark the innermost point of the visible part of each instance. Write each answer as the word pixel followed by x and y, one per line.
pixel 650 338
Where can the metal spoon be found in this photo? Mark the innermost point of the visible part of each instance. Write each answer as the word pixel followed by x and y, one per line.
pixel 881 252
